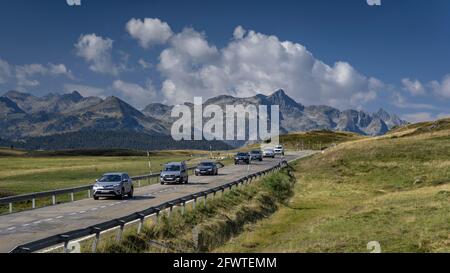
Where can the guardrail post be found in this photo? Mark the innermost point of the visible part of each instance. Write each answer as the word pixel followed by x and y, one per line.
pixel 157 216
pixel 184 208
pixel 72 197
pixel 195 203
pixel 139 183
pixel 141 223
pixel 10 207
pixel 169 213
pixel 120 231
pixel 54 199
pixel 89 193
pixel 66 243
pixel 33 203
pixel 204 200
pixel 96 240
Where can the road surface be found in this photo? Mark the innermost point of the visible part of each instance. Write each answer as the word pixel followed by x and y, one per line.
pixel 27 226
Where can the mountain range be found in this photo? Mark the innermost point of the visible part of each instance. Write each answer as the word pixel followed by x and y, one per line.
pixel 24 116
pixel 295 117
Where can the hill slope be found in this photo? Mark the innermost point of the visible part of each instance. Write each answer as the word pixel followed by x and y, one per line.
pixel 394 190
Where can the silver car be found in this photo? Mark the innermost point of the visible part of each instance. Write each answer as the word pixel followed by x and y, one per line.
pixel 114 185
pixel 175 172
pixel 269 153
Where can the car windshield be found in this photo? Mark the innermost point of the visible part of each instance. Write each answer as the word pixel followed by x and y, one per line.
pixel 256 152
pixel 110 178
pixel 207 164
pixel 242 154
pixel 172 168
pixel 269 150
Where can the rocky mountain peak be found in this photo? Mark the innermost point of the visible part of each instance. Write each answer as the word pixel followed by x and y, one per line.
pixel 283 100
pixel 13 94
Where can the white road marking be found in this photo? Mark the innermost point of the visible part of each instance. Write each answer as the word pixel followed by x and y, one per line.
pixel 94 209
pixel 81 212
pixel 37 222
pixel 73 213
pixel 25 225
pixel 11 228
pixel 48 220
pixel 59 217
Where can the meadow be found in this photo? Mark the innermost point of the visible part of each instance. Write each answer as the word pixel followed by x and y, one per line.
pixel 394 190
pixel 25 172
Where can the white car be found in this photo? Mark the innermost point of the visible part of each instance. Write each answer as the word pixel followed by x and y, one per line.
pixel 279 150
pixel 269 153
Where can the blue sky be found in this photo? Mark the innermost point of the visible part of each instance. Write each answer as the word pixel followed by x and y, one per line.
pixel 342 53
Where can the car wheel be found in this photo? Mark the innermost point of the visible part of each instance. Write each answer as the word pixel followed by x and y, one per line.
pixel 96 197
pixel 131 194
pixel 122 194
pixel 187 180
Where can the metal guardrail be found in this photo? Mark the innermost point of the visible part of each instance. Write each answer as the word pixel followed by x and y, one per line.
pixel 140 217
pixel 71 191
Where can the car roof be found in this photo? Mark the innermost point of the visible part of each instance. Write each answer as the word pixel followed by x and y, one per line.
pixel 207 162
pixel 115 174
pixel 174 164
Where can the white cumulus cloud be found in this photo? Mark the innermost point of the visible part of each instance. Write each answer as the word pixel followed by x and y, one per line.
pixel 149 31
pixel 27 75
pixel 257 63
pixel 442 88
pixel 424 116
pixel 5 71
pixel 98 52
pixel 414 87
pixel 135 94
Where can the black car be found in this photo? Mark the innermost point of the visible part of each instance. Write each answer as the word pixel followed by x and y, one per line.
pixel 256 155
pixel 207 168
pixel 242 158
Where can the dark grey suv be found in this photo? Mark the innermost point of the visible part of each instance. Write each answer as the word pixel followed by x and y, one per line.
pixel 207 168
pixel 242 158
pixel 256 155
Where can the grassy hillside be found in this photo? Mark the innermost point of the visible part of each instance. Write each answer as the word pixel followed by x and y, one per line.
pixel 394 190
pixel 316 140
pixel 420 128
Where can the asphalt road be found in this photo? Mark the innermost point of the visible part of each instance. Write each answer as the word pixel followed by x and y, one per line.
pixel 23 227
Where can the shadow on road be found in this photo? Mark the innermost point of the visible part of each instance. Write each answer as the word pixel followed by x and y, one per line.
pixel 137 198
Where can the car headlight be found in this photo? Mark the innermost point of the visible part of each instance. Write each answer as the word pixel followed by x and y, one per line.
pixel 197 170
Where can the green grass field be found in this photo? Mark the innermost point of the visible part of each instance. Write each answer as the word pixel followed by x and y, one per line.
pixel 21 173
pixel 316 140
pixel 393 189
